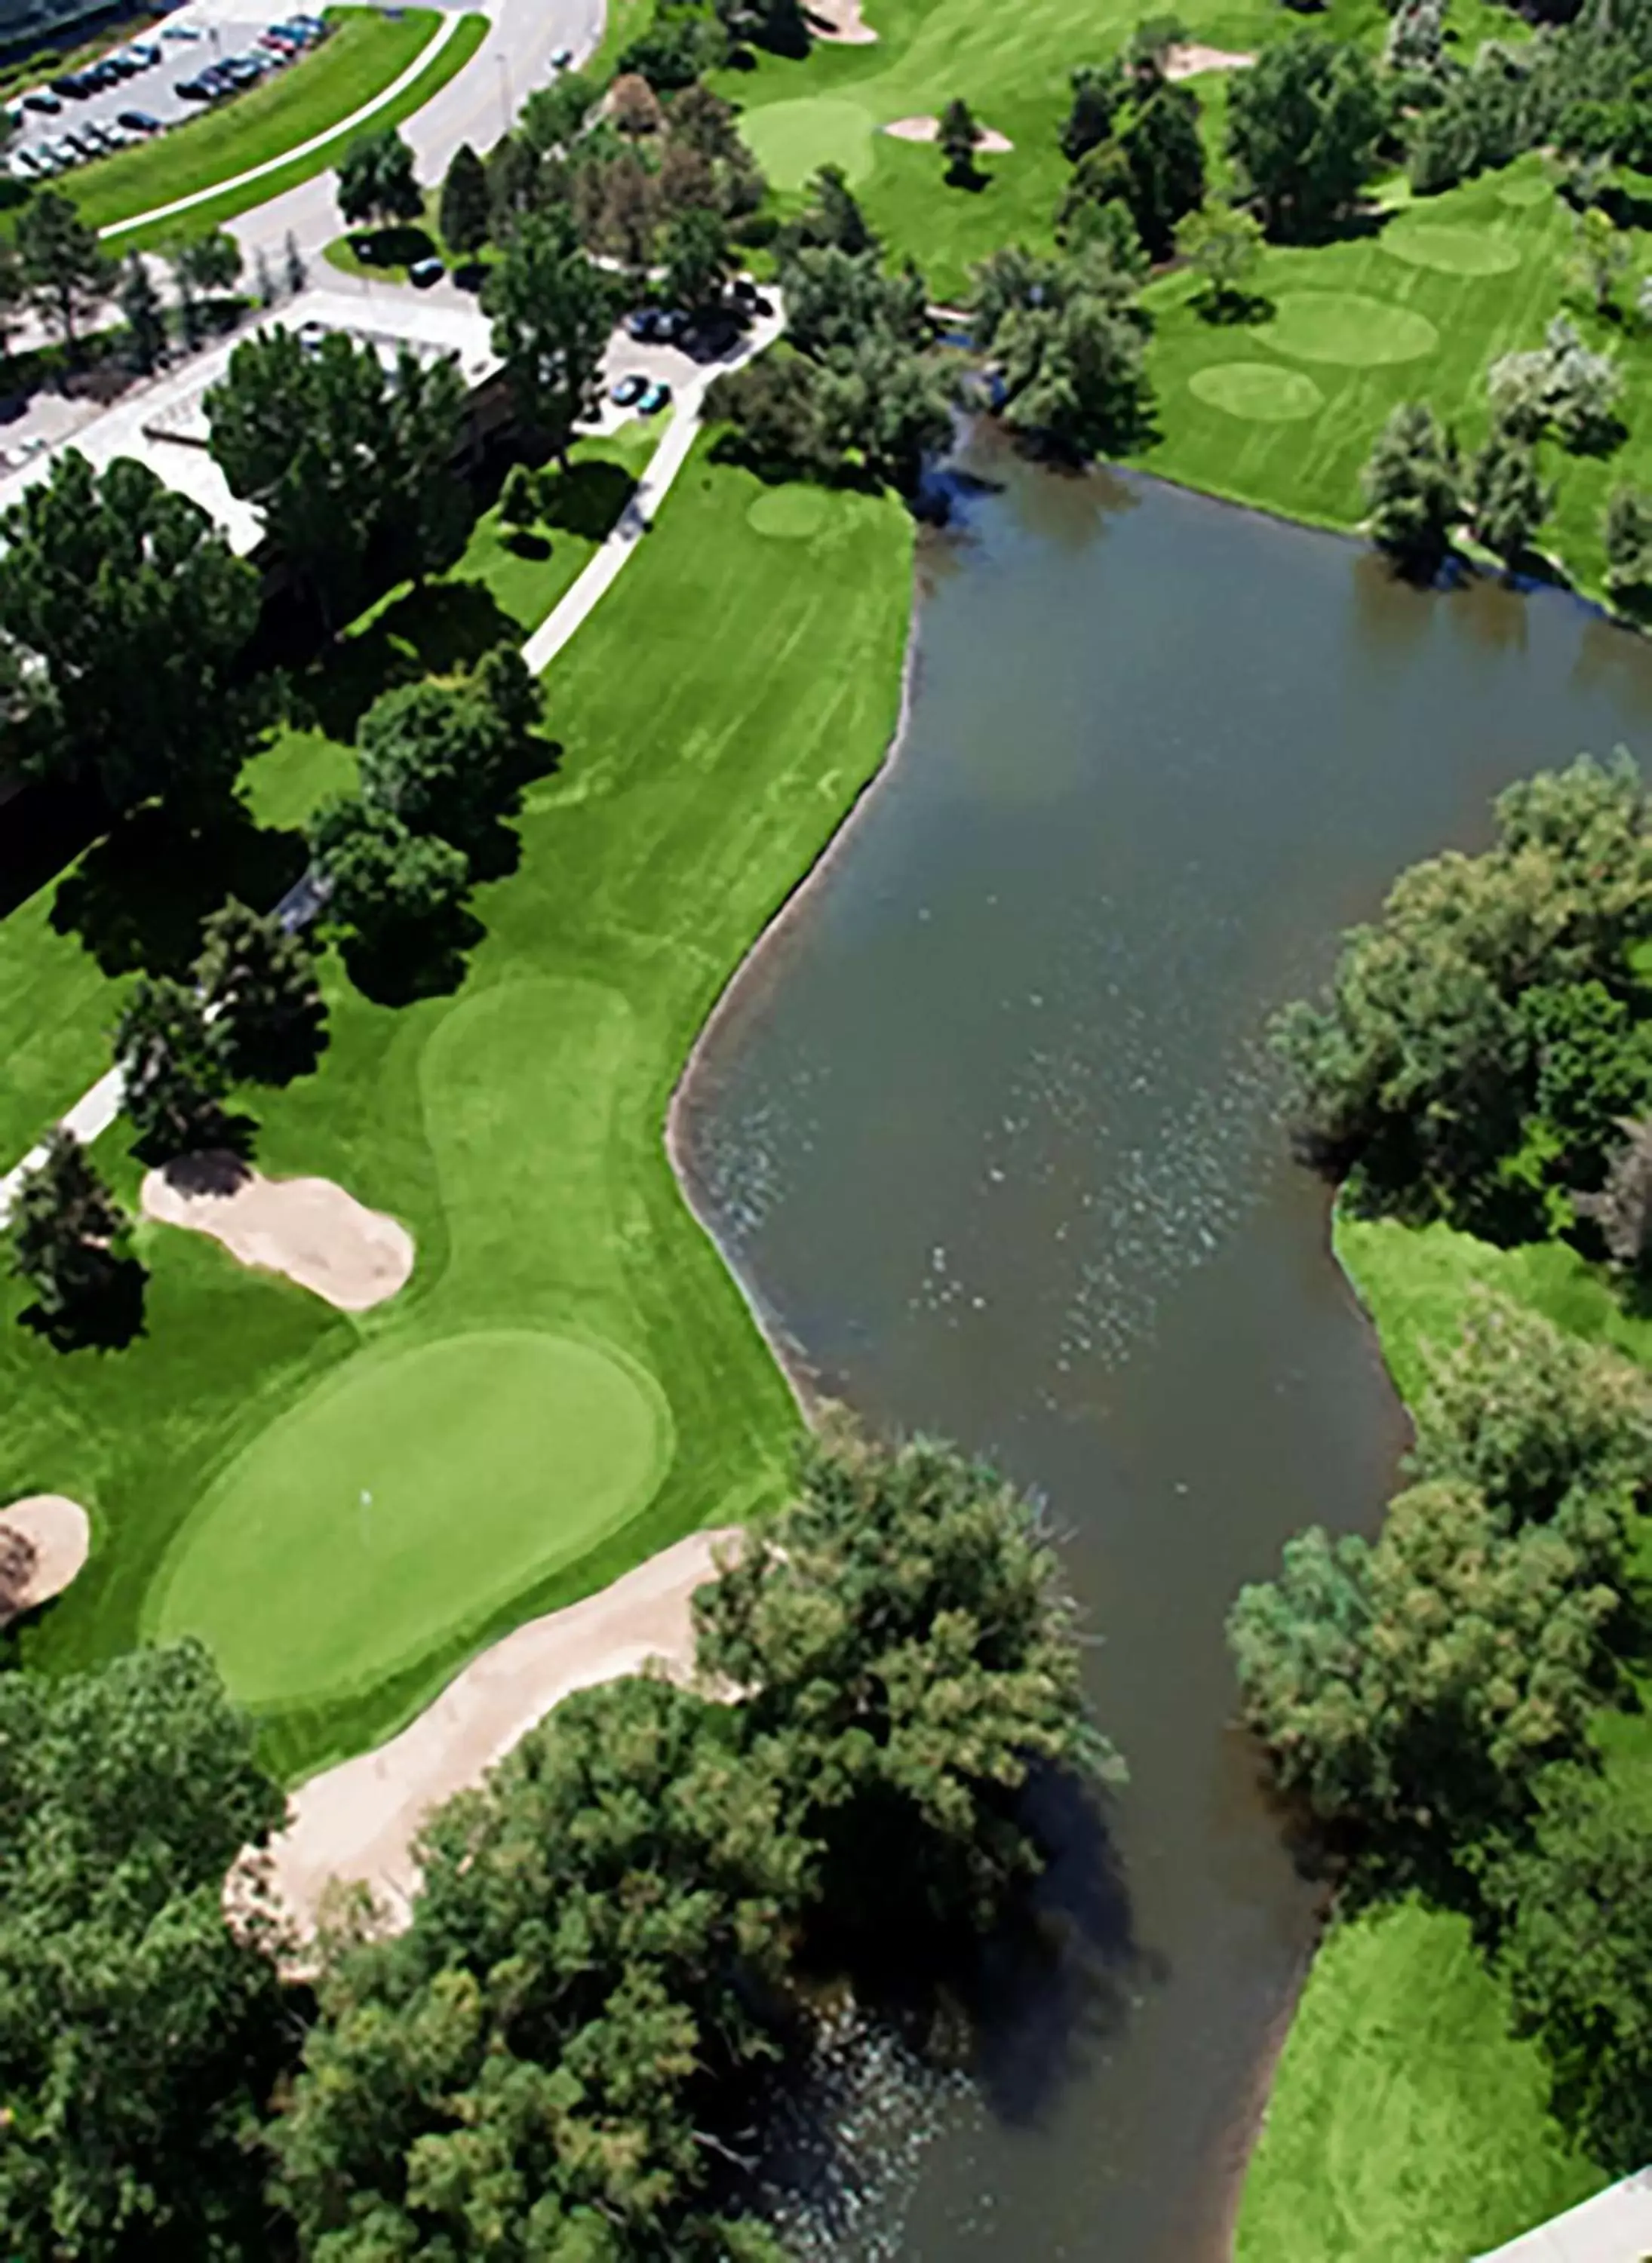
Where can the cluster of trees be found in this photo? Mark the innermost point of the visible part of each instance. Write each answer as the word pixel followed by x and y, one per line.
pixel 556 2057
pixel 441 765
pixel 1132 138
pixel 859 388
pixel 1067 336
pixel 1420 491
pixel 252 1012
pixel 1304 126
pixel 1485 1041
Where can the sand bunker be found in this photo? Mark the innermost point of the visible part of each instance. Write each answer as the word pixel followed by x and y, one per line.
pixel 840 20
pixel 1189 57
pixel 358 1821
pixel 308 1229
pixel 44 1541
pixel 990 143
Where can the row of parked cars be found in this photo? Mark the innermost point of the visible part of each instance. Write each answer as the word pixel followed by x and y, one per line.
pixel 100 137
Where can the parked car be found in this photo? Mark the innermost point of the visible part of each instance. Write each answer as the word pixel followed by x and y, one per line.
pixel 193 90
pixel 139 121
pixel 46 163
pixel 145 52
pixel 423 273
pixel 653 398
pixel 280 44
pixel 643 324
pixel 180 30
pixel 625 392
pixel 561 58
pixel 42 99
pixel 64 154
pixel 672 325
pixel 24 166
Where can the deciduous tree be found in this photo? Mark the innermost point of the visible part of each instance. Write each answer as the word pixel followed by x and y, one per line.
pixel 1302 130
pixel 143 313
pixel 203 266
pixel 391 891
pixel 1224 246
pixel 552 313
pixel 1626 535
pixel 438 758
pixel 377 180
pixel 696 257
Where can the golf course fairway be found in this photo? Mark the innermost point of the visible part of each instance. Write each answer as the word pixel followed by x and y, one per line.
pixel 425 1482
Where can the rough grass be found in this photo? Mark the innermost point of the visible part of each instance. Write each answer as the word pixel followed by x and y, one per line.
pixel 1422 303
pixel 1016 79
pixel 216 211
pixel 1405 2120
pixel 1405 2126
pixel 717 720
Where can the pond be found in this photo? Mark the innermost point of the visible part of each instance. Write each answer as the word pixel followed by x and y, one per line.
pixel 988 1130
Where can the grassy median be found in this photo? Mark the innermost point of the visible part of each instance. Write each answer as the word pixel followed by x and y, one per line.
pixel 717 717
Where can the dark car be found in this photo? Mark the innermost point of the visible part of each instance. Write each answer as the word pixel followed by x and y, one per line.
pixel 139 121
pixel 653 398
pixel 193 90
pixel 44 100
pixel 628 390
pixel 423 273
pixel 643 324
pixel 672 325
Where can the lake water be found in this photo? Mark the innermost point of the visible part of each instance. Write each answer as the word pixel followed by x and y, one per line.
pixel 987 1128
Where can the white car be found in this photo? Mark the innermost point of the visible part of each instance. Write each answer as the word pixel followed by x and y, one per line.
pixel 23 166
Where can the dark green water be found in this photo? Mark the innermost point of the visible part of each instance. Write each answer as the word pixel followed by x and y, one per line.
pixel 986 1130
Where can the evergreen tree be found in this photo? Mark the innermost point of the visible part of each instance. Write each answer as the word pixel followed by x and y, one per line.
pixel 1412 487
pixel 1506 498
pixel 297 273
pixel 262 279
pixel 65 272
pixel 141 309
pixel 68 1234
pixel 174 1067
pixel 377 181
pixel 1627 532
pixel 259 980
pixel 465 214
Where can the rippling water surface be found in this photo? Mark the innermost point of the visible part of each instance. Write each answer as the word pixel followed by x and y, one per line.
pixel 987 1130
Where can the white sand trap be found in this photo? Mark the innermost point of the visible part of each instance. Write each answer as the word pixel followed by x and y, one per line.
pixel 840 20
pixel 991 143
pixel 1190 57
pixel 44 1541
pixel 309 1229
pixel 358 1820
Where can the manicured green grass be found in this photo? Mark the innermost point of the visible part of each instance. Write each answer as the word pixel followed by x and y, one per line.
pixel 217 211
pixel 431 1480
pixel 717 719
pixel 58 1002
pixel 1405 2126
pixel 826 108
pixel 363 54
pixel 1417 309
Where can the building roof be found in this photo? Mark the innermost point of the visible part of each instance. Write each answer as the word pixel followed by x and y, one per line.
pixel 162 424
pixel 1615 2227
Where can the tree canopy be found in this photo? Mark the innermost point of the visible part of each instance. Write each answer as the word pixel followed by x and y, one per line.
pixel 175 1067
pixel 260 979
pixel 552 313
pixel 67 1240
pixel 377 180
pixel 1302 129
pixel 64 271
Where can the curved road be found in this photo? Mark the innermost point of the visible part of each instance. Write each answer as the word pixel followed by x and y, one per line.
pixel 476 106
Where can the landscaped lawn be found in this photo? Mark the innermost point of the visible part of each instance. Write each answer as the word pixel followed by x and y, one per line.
pixel 1282 412
pixel 1405 2126
pixel 828 108
pixel 367 53
pixel 717 717
pixel 59 996
pixel 1405 2120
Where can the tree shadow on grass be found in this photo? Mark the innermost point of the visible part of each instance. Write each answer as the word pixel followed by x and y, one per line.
pixel 587 499
pixel 424 962
pixel 1233 309
pixel 397 245
pixel 229 1136
pixel 138 897
pixel 107 1320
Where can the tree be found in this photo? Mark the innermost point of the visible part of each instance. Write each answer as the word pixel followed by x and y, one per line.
pixel 703 121
pixel 135 614
pixel 832 217
pixel 258 977
pixel 834 299
pixel 1576 1956
pixel 1411 483
pixel 912 1659
pixel 174 1067
pixel 1096 95
pixel 1068 343
pixel 1302 130
pixel 520 502
pixel 1165 159
pixel 551 314
pixel 377 181
pixel 465 214
pixel 438 758
pixel 143 315
pixel 554 116
pixel 13 292
pixel 1225 247
pixel 69 1236
pixel 617 205
pixel 696 257
pixel 264 279
pixel 1627 533
pixel 634 106
pixel 140 2032
pixel 1562 384
pixel 297 273
pixel 889 403
pixel 1622 1208
pixel 1420 1070
pixel 65 273
pixel 771 405
pixel 958 136
pixel 338 457
pixel 201 266
pixel 1601 256
pixel 1414 1688
pixel 1506 498
pixel 391 893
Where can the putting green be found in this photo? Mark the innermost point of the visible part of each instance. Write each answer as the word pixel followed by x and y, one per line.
pixel 790 514
pixel 1346 327
pixel 792 140
pixel 1451 250
pixel 1260 390
pixel 419 1490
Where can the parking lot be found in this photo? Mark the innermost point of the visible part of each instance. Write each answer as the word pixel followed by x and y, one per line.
pixel 167 55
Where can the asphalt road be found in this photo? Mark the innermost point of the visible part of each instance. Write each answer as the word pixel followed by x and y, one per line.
pixel 476 106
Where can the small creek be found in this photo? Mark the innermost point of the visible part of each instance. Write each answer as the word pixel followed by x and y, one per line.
pixel 987 1128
